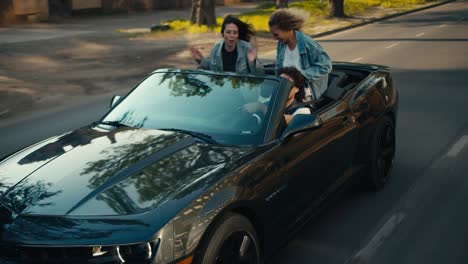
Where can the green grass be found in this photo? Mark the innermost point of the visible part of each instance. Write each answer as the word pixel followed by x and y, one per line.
pixel 318 11
pixel 185 26
pixel 403 3
pixel 358 7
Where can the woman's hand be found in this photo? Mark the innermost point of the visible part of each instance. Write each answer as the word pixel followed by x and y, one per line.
pixel 252 55
pixel 196 54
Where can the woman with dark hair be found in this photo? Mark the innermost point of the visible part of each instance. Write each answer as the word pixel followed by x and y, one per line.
pixel 293 104
pixel 233 53
pixel 295 49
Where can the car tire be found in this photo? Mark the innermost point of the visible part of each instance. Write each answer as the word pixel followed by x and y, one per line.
pixel 381 154
pixel 232 240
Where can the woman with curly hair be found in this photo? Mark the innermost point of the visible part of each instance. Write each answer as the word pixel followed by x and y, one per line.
pixel 233 53
pixel 295 49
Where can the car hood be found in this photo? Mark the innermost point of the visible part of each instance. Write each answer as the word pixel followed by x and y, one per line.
pixel 102 171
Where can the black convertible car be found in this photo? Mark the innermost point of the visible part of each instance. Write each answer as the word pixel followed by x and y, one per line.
pixel 178 172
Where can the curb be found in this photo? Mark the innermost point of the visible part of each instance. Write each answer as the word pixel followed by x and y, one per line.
pixel 370 21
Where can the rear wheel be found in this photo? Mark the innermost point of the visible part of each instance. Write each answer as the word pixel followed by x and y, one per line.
pixel 233 240
pixel 382 154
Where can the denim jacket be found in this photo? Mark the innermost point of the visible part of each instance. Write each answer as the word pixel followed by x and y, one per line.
pixel 315 62
pixel 215 61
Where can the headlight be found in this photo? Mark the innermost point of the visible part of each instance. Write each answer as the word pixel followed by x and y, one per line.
pixel 136 253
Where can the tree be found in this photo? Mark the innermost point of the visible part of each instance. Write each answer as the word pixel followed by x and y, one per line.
pixel 6 11
pixel 282 3
pixel 203 12
pixel 336 8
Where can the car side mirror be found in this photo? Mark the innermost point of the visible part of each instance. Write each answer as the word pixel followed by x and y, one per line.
pixel 115 100
pixel 301 123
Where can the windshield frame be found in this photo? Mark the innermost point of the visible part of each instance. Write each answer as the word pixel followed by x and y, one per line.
pixel 265 133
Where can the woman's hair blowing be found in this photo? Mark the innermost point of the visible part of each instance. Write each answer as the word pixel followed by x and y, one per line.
pixel 288 19
pixel 246 30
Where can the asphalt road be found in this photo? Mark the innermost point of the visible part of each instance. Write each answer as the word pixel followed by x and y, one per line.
pixel 420 217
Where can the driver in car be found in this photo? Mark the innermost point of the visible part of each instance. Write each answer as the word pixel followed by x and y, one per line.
pixel 292 107
pixel 299 85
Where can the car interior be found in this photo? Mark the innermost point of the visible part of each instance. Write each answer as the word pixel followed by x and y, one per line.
pixel 339 82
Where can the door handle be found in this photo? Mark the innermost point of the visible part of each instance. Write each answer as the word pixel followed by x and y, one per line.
pixel 348 120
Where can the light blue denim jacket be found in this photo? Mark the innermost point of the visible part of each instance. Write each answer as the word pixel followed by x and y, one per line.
pixel 315 62
pixel 215 61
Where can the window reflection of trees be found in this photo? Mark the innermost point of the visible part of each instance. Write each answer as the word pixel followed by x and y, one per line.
pixel 80 137
pixel 163 180
pixel 160 181
pixel 129 118
pixel 185 84
pixel 124 156
pixel 26 194
pixel 120 158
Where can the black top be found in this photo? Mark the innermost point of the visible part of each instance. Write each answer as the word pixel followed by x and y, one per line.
pixel 229 60
pixel 296 105
pixel 293 107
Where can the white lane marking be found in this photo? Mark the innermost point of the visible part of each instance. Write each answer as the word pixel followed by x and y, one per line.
pixel 420 34
pixel 358 59
pixel 391 46
pixel 364 255
pixel 458 146
pixel 443 25
pixel 4 112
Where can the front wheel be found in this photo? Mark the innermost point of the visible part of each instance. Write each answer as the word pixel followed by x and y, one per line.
pixel 233 241
pixel 382 154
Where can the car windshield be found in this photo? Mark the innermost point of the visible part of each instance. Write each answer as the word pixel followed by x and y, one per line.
pixel 210 104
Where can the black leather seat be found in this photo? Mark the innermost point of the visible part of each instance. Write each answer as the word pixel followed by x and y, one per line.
pixel 335 90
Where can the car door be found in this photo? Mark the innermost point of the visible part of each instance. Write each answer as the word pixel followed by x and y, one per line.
pixel 314 163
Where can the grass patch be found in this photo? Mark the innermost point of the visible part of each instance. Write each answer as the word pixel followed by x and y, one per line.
pixel 404 3
pixel 186 26
pixel 315 8
pixel 318 13
pixel 359 7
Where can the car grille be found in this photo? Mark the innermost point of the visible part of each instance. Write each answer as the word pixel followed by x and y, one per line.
pixel 10 254
pixel 52 255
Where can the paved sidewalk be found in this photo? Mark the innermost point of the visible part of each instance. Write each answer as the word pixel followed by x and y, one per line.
pixel 45 65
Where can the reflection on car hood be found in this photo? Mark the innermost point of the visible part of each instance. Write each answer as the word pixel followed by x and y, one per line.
pixel 95 171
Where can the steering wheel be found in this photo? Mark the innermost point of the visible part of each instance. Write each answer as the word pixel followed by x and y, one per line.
pixel 240 119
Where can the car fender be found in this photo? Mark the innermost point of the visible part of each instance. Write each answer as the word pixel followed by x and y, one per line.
pixel 192 224
pixel 372 101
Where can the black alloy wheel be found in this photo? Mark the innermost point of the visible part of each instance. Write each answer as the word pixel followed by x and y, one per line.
pixel 237 248
pixel 382 153
pixel 233 241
